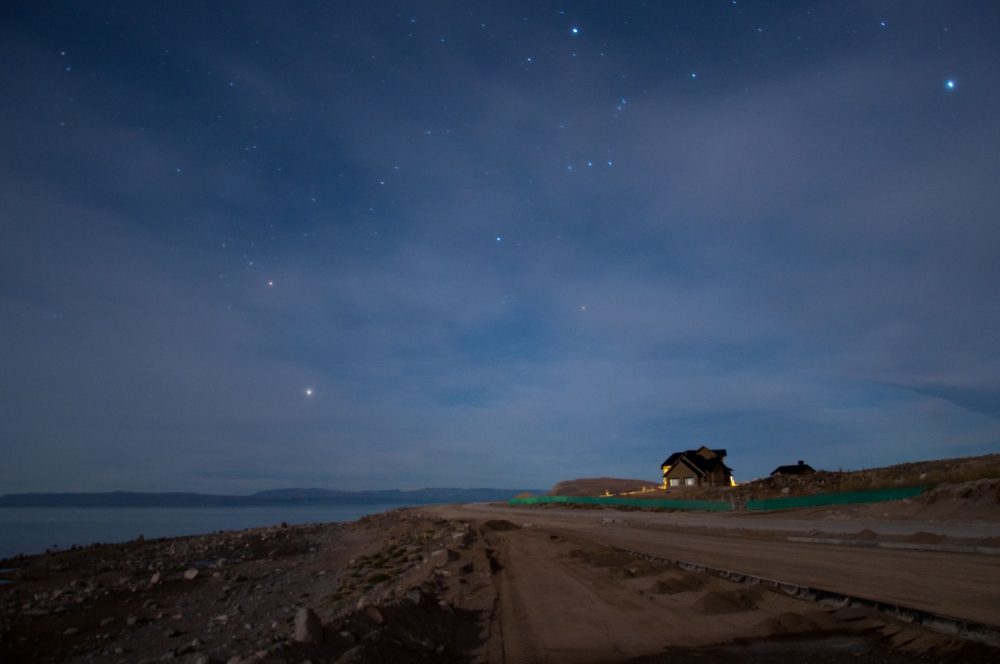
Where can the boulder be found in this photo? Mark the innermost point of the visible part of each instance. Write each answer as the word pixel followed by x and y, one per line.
pixel 308 628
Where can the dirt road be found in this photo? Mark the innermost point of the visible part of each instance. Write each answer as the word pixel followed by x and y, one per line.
pixel 800 521
pixel 960 585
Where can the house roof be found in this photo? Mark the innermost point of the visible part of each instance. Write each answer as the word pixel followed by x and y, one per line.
pixel 697 462
pixel 672 459
pixel 798 469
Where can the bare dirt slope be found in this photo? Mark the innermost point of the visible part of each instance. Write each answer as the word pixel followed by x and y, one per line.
pixel 599 486
pixel 973 479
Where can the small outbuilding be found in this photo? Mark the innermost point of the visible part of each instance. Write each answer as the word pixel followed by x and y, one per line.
pixel 801 468
pixel 700 467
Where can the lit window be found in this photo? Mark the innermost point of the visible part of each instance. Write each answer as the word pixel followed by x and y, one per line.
pixel 675 481
pixel 688 481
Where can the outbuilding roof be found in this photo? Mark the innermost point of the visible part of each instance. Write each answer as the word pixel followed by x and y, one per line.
pixel 798 469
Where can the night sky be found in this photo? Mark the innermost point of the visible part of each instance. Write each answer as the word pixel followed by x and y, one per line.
pixel 247 246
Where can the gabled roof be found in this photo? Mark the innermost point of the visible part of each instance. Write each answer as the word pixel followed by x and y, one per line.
pixel 696 462
pixel 798 469
pixel 672 459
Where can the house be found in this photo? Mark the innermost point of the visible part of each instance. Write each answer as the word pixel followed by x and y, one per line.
pixel 801 469
pixel 700 467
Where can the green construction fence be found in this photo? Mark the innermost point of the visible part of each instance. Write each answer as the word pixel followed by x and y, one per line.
pixel 821 499
pixel 632 502
pixel 765 504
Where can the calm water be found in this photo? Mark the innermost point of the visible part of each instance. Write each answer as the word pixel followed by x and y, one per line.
pixel 31 530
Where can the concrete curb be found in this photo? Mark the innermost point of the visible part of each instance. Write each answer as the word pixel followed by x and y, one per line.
pixel 949 548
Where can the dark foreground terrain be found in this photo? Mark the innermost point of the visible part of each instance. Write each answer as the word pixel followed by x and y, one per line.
pixel 420 585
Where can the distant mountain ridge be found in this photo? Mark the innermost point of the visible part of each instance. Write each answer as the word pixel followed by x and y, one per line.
pixel 261 498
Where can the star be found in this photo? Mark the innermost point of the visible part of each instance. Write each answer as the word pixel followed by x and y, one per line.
pixel 309 392
pixel 576 30
pixel 950 85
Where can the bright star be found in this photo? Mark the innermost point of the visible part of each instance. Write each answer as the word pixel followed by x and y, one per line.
pixel 270 283
pixel 309 392
pixel 950 84
pixel 575 30
pixel 498 239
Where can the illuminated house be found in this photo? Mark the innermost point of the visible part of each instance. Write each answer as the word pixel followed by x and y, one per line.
pixel 701 467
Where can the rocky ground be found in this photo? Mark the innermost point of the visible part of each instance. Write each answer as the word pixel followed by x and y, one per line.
pixel 392 587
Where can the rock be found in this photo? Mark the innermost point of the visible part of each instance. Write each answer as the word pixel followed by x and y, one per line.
pixel 786 491
pixel 235 659
pixel 71 631
pixel 416 595
pixel 107 621
pixel 173 632
pixel 352 655
pixel 375 615
pixel 132 620
pixel 348 636
pixel 308 628
pixel 202 659
pixel 191 574
pixel 155 579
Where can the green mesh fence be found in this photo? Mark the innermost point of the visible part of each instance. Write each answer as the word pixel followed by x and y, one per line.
pixel 717 506
pixel 834 499
pixel 631 502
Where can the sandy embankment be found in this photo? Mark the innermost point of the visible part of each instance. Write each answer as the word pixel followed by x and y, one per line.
pixel 438 584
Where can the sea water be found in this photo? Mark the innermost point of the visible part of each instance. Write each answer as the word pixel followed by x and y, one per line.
pixel 31 530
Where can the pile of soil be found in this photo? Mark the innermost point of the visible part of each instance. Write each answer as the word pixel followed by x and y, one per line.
pixel 682 584
pixel 715 603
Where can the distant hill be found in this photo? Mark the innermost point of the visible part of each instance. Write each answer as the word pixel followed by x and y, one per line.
pixel 261 498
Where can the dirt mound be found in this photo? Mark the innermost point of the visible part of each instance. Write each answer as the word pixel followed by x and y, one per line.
pixel 866 535
pixel 598 486
pixel 686 583
pixel 604 557
pixel 714 603
pixel 500 525
pixel 787 623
